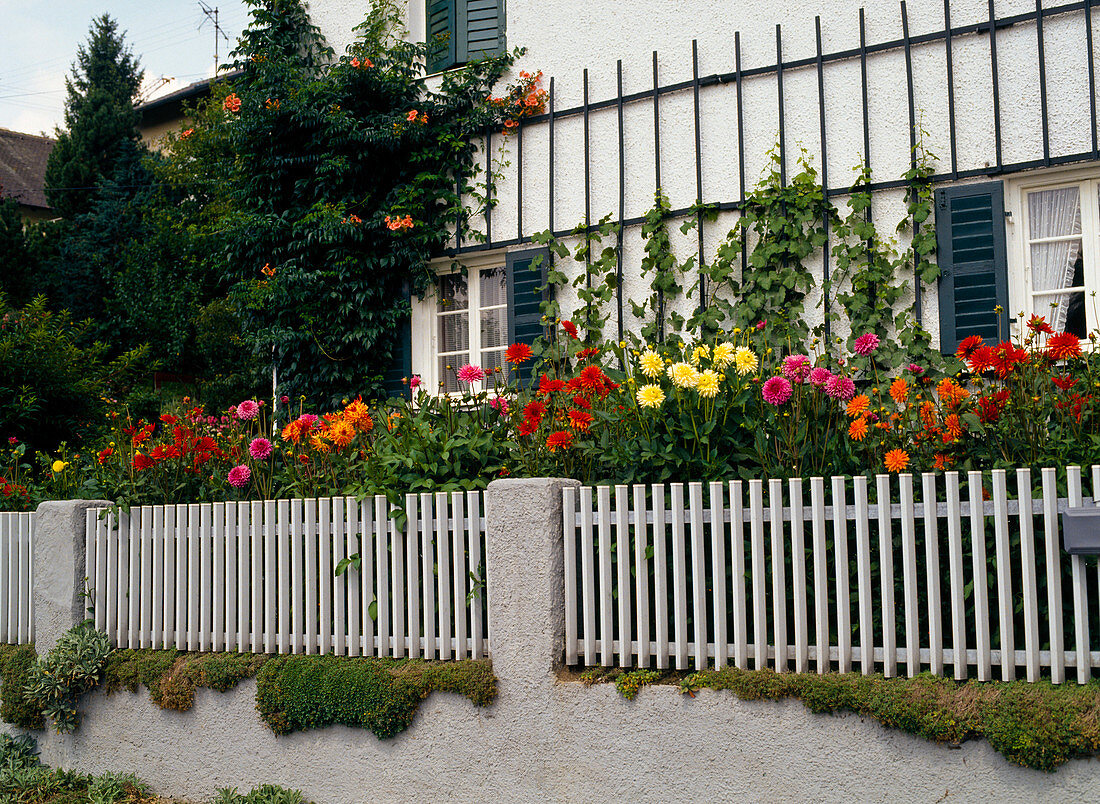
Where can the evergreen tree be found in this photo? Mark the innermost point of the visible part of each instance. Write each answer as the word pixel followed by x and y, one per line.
pixel 100 120
pixel 16 261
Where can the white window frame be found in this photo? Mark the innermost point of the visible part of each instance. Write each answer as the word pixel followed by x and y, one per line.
pixel 1019 253
pixel 425 319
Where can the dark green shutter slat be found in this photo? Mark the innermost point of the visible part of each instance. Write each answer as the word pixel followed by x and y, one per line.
pixel 395 378
pixel 480 25
pixel 527 289
pixel 442 19
pixel 970 239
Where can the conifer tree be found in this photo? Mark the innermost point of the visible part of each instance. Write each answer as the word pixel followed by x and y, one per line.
pixel 100 120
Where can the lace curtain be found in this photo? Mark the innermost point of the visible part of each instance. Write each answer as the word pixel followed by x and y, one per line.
pixel 1054 213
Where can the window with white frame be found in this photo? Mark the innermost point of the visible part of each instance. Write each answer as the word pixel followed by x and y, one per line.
pixel 470 325
pixel 1059 243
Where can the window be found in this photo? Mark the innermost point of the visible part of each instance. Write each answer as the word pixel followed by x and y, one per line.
pixel 1059 236
pixel 463 30
pixel 471 313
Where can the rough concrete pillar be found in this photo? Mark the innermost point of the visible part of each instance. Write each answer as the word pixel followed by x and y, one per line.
pixel 526 577
pixel 59 572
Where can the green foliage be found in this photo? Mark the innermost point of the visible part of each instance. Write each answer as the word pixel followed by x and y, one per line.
pixel 100 119
pixel 630 682
pixel 15 663
pixel 53 379
pixel 17 262
pixel 301 177
pixel 56 681
pixel 172 676
pixel 18 752
pixel 295 693
pixel 1034 724
pixel 24 779
pixel 264 794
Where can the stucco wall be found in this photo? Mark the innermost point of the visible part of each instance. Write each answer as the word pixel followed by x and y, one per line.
pixel 544 739
pixel 563 38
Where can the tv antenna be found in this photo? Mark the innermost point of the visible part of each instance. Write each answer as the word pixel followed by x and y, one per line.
pixel 212 17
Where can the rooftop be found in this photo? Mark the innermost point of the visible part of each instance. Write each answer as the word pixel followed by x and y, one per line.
pixel 23 167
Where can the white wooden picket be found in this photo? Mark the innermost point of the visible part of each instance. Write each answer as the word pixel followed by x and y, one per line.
pixel 16 567
pixel 892 575
pixel 260 576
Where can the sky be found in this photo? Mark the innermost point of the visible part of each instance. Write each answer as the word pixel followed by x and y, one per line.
pixel 39 39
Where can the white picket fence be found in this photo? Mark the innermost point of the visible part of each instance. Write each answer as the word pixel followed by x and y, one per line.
pixel 16 568
pixel 260 576
pixel 715 591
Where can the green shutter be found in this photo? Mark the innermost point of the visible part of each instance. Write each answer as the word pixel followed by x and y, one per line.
pixel 480 29
pixel 442 35
pixel 970 239
pixel 527 288
pixel 399 368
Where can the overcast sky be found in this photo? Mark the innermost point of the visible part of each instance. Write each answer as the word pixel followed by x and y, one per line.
pixel 39 38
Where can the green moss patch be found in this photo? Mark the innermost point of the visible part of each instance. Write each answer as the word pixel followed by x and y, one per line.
pixel 172 676
pixel 1037 725
pixel 295 693
pixel 15 708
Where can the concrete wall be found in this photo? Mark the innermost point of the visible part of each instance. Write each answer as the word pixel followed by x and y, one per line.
pixel 547 739
pixel 563 38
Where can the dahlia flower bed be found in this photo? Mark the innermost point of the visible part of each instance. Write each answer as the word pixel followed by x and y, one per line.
pixel 680 410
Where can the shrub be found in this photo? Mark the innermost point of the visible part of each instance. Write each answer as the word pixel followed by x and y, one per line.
pixel 264 794
pixel 15 707
pixel 56 681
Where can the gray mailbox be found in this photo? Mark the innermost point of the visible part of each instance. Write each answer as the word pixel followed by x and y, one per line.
pixel 1081 531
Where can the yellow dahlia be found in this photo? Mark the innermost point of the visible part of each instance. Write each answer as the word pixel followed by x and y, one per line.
pixel 650 396
pixel 683 375
pixel 723 355
pixel 651 364
pixel 745 361
pixel 707 385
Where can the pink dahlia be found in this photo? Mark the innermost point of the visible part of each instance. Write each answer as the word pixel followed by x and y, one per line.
pixel 260 449
pixel 239 476
pixel 247 410
pixel 840 388
pixel 866 344
pixel 913 367
pixel 500 404
pixel 820 376
pixel 471 374
pixel 777 390
pixel 414 381
pixel 796 368
pixel 308 420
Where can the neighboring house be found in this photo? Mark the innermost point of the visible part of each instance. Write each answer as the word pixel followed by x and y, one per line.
pixel 23 172
pixel 165 114
pixel 690 97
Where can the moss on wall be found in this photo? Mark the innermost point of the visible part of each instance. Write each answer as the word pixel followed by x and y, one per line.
pixel 1037 725
pixel 15 661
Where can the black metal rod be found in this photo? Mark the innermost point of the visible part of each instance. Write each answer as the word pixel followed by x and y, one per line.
pixel 1042 80
pixel 519 180
pixel 488 186
pixel 872 291
pixel 912 150
pixel 622 199
pixel 1092 77
pixel 840 55
pixel 657 169
pixel 740 146
pixel 458 219
pixel 698 176
pixel 825 284
pixel 779 95
pixel 950 88
pixel 550 186
pixel 996 83
pixel 587 196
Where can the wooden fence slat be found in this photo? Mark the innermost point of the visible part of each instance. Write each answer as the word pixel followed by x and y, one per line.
pixel 218 619
pixel 145 557
pixel 909 575
pixel 759 582
pixel 641 574
pixel 569 520
pixel 338 541
pixel 244 597
pixel 256 577
pixel 1053 555
pixel 311 584
pixel 127 563
pixel 1027 559
pixel 957 580
pixel 382 547
pixel 367 578
pixel 102 534
pixel 205 570
pixel 443 577
pixel 475 509
pixel 821 576
pixel 1080 587
pixel 588 577
pixel 354 544
pixel 194 567
pixel 8 582
pixel 412 577
pixel 427 584
pixel 297 577
pixel 110 579
pixel 863 578
pixel 843 601
pixel 397 573
pixel 324 573
pixel 718 573
pixel 980 575
pixel 698 574
pixel 660 572
pixel 622 565
pixel 285 578
pixel 1004 576
pixel 886 577
pixel 89 560
pixel 932 571
pixel 779 574
pixel 603 554
pixel 461 577
pixel 23 530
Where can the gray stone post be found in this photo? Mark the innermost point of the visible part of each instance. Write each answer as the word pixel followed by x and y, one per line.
pixel 526 577
pixel 59 572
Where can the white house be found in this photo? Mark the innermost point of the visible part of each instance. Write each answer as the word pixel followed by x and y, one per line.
pixel 1005 89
